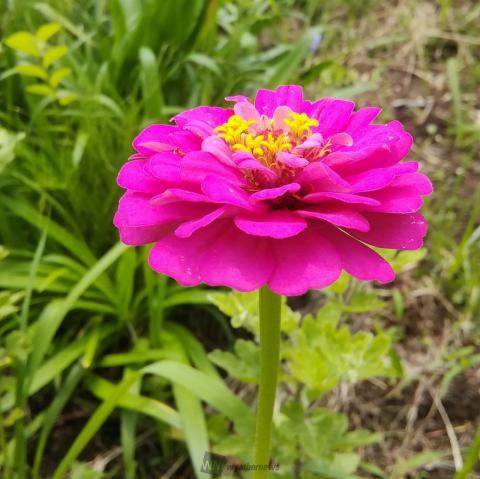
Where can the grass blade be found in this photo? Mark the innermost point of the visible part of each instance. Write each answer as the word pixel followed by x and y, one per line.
pixel 94 424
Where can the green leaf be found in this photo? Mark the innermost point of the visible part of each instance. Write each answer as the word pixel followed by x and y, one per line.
pixel 94 424
pixel 321 355
pixel 55 312
pixel 128 426
pixel 23 42
pixel 194 427
pixel 404 466
pixel 472 456
pixel 363 302
pixel 243 364
pixel 65 98
pixel 285 70
pixel 58 75
pixel 125 276
pixel 242 308
pixel 136 402
pixel 54 54
pixel 151 83
pixel 47 30
pixel 31 70
pixel 40 89
pixel 204 386
pixel 8 143
pixel 61 398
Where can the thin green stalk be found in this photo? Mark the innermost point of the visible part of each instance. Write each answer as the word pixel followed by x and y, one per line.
pixel 269 306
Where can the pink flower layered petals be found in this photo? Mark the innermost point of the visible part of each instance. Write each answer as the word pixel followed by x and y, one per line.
pixel 278 191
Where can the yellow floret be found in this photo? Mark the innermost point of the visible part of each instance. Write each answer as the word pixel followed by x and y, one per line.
pixel 300 124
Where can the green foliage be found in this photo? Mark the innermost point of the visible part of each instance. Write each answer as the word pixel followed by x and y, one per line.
pixel 44 57
pixel 242 309
pixel 81 315
pixel 322 355
pixel 242 364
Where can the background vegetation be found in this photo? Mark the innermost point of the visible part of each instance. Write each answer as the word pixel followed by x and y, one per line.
pixel 110 371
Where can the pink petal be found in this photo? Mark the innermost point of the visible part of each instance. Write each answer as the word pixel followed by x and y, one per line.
pixel 417 181
pixel 246 110
pixel 186 141
pixel 174 195
pixel 313 141
pixel 291 160
pixel 219 255
pixel 218 148
pixel 245 161
pixel 338 216
pixel 237 98
pixel 377 178
pixel 279 115
pixel 321 177
pixel 273 193
pixel 266 101
pixel 395 231
pixel 306 261
pixel 359 260
pixel 362 118
pixel 218 189
pixel 155 138
pixel 291 96
pixel 133 176
pixel 343 139
pixel 332 114
pixel 275 224
pixel 164 166
pixel 197 165
pixel 139 222
pixel 344 197
pixel 211 115
pixel 396 199
pixel 199 128
pixel 186 229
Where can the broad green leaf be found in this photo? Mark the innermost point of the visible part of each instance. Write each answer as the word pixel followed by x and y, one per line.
pixel 31 70
pixel 23 42
pixel 54 54
pixel 242 364
pixel 242 309
pixel 285 69
pixel 321 355
pixel 135 402
pixel 54 410
pixel 40 89
pixel 193 348
pixel 65 98
pixel 55 312
pixel 211 390
pixel 151 83
pixel 194 427
pixel 47 30
pixel 94 424
pixel 187 296
pixel 58 75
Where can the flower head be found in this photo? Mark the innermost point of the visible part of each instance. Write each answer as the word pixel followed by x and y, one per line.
pixel 280 192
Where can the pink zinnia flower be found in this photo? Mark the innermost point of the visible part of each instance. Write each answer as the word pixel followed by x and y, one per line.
pixel 280 192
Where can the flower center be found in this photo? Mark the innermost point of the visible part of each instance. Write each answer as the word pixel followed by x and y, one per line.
pixel 264 138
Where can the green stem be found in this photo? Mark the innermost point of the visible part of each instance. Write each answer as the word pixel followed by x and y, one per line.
pixel 269 358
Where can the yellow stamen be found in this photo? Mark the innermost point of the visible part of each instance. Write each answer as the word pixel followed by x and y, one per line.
pixel 300 124
pixel 265 145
